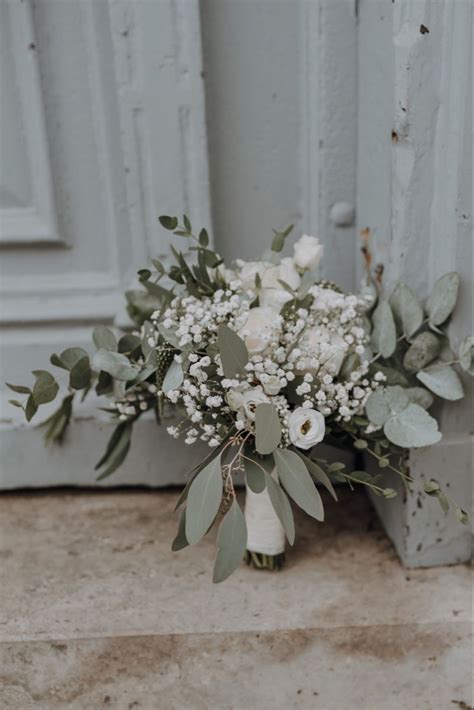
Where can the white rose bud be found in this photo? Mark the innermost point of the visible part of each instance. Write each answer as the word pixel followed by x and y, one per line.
pixel 306 427
pixel 257 331
pixel 272 385
pixel 308 252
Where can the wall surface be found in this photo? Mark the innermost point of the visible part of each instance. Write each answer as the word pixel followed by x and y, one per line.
pixel 414 194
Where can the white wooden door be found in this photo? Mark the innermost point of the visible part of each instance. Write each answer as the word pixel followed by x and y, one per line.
pixel 104 127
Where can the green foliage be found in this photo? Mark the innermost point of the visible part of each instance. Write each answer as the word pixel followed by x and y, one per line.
pixel 231 543
pixel 168 222
pixel 203 501
pixel 116 451
pixel 104 338
pixel 413 427
pixel 180 541
pixel 45 388
pixel 443 298
pixel 116 364
pixel 233 352
pixel 173 378
pixel 424 348
pixel 282 507
pixel 466 354
pixel 255 473
pixel 267 428
pixel 318 474
pixel 279 238
pixel 298 483
pixel 443 381
pixel 406 309
pixel 384 334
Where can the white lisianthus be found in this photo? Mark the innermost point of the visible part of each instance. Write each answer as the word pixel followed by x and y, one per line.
pixel 260 325
pixel 308 252
pixel 334 345
pixel 272 385
pixel 306 427
pixel 248 270
pixel 250 401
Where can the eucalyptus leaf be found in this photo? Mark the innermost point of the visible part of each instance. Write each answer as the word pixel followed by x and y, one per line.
pixel 421 396
pixel 180 542
pixel 104 338
pixel 45 388
pixel 267 428
pixel 204 499
pixel 385 402
pixel 15 403
pixel 80 375
pixel 168 222
pixel 203 238
pixel 233 352
pixel 384 334
pixel 466 354
pixel 411 428
pixel 443 381
pixel 254 475
pixel 129 343
pixel 70 356
pixel 19 389
pixel 116 364
pixel 117 450
pixel 282 507
pixel 443 298
pixel 298 483
pixel 173 378
pixel 318 474
pixel 423 350
pixel 31 408
pixel 231 543
pixel 406 309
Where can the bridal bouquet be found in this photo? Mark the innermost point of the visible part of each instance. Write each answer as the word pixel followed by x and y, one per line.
pixel 263 362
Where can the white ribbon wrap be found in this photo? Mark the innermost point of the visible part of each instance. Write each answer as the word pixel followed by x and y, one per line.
pixel 264 531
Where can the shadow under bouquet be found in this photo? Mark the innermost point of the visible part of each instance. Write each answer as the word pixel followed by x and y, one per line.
pixel 263 362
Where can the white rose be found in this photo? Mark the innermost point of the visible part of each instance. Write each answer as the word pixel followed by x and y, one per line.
pixel 248 270
pixel 250 401
pixel 272 293
pixel 235 398
pixel 306 427
pixel 260 325
pixel 335 351
pixel 308 252
pixel 272 385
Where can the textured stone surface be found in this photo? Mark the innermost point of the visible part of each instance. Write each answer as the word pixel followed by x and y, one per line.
pixel 96 611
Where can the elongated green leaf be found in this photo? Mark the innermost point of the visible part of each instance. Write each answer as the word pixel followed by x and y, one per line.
pixel 19 389
pixel 116 364
pixel 31 408
pixel 118 452
pixel 406 309
pixel 424 348
pixel 233 352
pixel 180 542
pixel 204 499
pixel 80 376
pixel 45 388
pixel 443 298
pixel 384 334
pixel 298 483
pixel 173 378
pixel 104 338
pixel 318 474
pixel 282 507
pixel 231 543
pixel 254 475
pixel 267 428
pixel 412 428
pixel 443 381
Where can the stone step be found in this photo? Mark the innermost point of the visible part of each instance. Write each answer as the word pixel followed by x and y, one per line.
pixel 96 611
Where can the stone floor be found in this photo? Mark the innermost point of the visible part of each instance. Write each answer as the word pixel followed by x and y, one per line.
pixel 97 612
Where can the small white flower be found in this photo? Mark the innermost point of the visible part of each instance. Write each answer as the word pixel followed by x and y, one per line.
pixel 308 252
pixel 250 401
pixel 306 427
